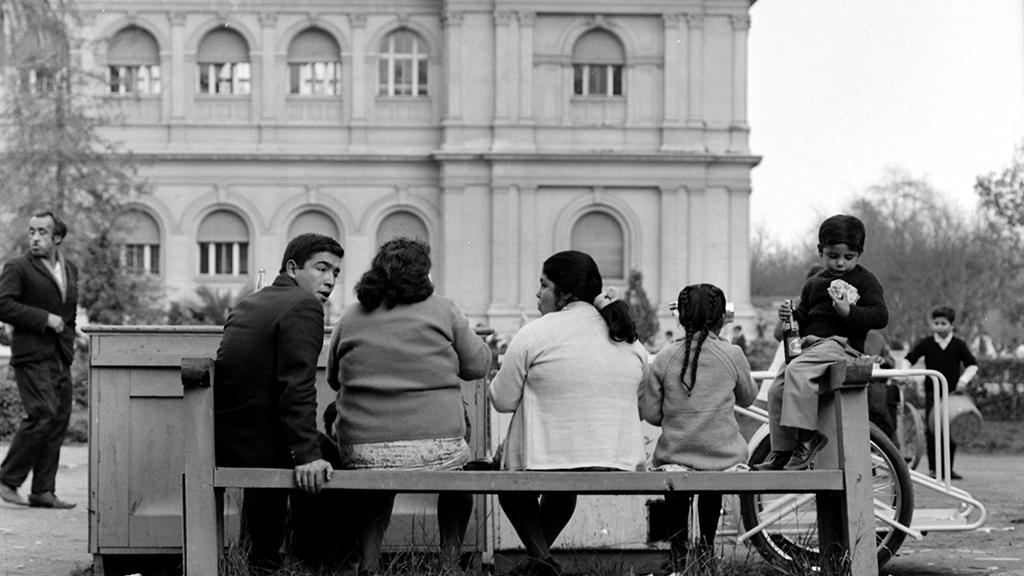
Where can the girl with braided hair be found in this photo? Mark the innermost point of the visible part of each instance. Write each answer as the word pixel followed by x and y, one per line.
pixel 692 388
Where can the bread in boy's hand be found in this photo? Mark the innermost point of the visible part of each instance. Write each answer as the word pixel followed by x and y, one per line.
pixel 843 290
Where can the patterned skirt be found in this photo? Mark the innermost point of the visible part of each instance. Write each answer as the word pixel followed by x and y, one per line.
pixel 426 454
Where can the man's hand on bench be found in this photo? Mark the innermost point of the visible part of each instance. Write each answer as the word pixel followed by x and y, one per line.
pixel 311 476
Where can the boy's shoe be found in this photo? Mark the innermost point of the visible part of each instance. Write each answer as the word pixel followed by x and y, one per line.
pixel 954 476
pixel 805 451
pixel 48 500
pixel 776 461
pixel 10 495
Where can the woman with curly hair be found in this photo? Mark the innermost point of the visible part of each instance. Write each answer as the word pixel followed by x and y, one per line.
pixel 397 358
pixel 691 391
pixel 571 379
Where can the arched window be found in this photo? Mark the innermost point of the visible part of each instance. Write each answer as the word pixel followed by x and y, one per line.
pixel 314 64
pixel 313 221
pixel 223 244
pixel 600 235
pixel 404 224
pixel 597 61
pixel 141 251
pixel 133 62
pixel 224 68
pixel 403 65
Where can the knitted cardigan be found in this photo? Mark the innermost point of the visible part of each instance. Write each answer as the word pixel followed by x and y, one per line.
pixel 698 428
pixel 573 392
pixel 398 371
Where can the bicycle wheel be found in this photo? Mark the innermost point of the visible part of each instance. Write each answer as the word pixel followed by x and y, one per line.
pixel 911 430
pixel 793 538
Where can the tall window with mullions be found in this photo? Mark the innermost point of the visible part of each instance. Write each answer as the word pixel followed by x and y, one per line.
pixel 223 245
pixel 403 65
pixel 223 64
pixel 133 63
pixel 314 64
pixel 597 63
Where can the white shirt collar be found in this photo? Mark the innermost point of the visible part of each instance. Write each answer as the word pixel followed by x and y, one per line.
pixel 943 342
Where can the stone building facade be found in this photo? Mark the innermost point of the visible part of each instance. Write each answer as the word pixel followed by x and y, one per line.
pixel 500 131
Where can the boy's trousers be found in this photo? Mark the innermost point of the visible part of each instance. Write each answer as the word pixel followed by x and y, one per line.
pixel 793 395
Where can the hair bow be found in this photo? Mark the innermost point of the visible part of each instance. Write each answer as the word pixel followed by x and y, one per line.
pixel 609 295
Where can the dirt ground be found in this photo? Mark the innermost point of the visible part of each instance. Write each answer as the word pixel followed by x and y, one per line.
pixel 36 542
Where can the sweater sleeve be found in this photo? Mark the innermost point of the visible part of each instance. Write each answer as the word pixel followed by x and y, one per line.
pixel 506 390
pixel 746 389
pixel 300 338
pixel 916 352
pixel 870 311
pixel 474 355
pixel 652 390
pixel 966 358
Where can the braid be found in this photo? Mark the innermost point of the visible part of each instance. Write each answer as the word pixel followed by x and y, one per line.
pixel 709 319
pixel 686 320
pixel 696 356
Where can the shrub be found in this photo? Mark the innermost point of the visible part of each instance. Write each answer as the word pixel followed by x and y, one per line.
pixel 997 390
pixel 760 353
pixel 11 411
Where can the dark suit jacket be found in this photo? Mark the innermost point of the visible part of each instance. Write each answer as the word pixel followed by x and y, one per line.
pixel 28 294
pixel 265 379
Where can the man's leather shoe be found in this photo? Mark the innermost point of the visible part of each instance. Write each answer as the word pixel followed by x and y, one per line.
pixel 805 451
pixel 776 461
pixel 10 495
pixel 48 500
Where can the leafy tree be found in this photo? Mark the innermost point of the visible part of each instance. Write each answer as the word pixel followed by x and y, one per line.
pixel 776 270
pixel 640 308
pixel 926 253
pixel 53 157
pixel 1001 196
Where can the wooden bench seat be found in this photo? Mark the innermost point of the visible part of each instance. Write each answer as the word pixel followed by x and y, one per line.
pixel 842 483
pixel 575 482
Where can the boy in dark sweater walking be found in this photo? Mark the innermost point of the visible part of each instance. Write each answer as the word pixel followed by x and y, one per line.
pixel 946 353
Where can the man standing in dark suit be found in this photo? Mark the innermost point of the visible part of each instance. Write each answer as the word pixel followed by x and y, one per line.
pixel 265 388
pixel 39 297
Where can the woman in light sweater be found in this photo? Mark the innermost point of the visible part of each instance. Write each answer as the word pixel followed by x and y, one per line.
pixel 691 391
pixel 397 359
pixel 571 378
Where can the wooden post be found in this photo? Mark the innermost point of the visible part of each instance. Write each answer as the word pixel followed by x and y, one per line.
pixel 201 539
pixel 846 522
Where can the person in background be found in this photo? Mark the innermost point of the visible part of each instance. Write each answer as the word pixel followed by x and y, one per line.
pixel 571 379
pixel 948 354
pixel 397 358
pixel 39 298
pixel 691 391
pixel 265 397
pixel 738 338
pixel 837 308
pixel 883 397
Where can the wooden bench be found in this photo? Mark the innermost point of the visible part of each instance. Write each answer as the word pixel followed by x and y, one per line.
pixel 842 481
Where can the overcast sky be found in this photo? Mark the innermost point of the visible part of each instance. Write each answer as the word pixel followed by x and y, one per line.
pixel 840 90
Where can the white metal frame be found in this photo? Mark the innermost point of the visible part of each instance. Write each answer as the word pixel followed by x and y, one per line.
pixel 942 483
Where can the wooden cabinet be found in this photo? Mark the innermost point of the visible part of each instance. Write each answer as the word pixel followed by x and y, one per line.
pixel 136 444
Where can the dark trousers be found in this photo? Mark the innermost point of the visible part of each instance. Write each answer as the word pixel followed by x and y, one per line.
pixel 929 437
pixel 263 522
pixel 45 390
pixel 677 520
